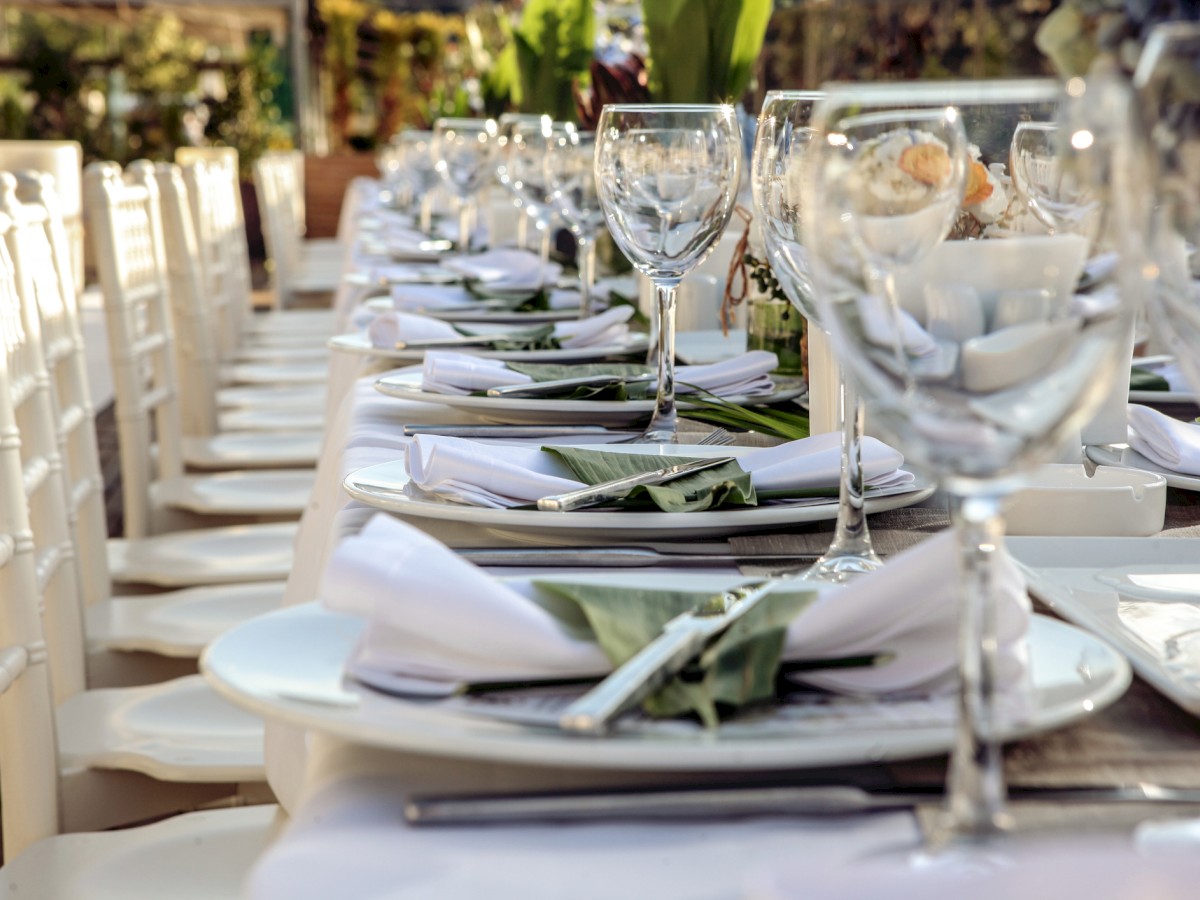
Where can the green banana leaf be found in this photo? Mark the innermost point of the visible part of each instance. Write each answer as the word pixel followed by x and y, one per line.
pixel 541 338
pixel 739 668
pixel 552 372
pixel 1144 380
pixel 703 51
pixel 554 45
pixel 724 485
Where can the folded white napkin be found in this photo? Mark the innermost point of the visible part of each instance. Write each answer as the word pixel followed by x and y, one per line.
pixel 500 477
pixel 607 329
pixel 421 297
pixel 433 616
pixel 505 269
pixel 446 372
pixel 1171 372
pixel 1165 441
pixel 880 327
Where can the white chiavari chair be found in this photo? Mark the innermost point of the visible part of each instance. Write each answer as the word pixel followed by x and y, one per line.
pixel 64 161
pixel 274 436
pixel 198 855
pixel 175 623
pixel 176 739
pixel 126 227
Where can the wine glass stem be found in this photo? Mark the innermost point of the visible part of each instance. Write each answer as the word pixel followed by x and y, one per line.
pixel 547 233
pixel 465 210
pixel 586 253
pixel 663 424
pixel 426 223
pixel 522 229
pixel 975 792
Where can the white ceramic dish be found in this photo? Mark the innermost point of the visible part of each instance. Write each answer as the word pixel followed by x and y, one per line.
pixel 1063 500
pixel 288 665
pixel 1142 594
pixel 543 410
pixel 1129 458
pixel 481 313
pixel 358 342
pixel 385 486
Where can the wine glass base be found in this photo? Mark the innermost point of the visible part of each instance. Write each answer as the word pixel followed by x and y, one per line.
pixel 839 568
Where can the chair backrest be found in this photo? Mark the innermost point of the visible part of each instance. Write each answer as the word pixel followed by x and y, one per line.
pixel 214 216
pixel 126 228
pixel 42 486
pixel 63 160
pixel 28 745
pixel 276 185
pixel 43 267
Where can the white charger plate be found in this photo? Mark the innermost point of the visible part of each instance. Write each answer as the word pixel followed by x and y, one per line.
pixel 289 665
pixel 1153 397
pixel 1078 578
pixel 481 313
pixel 1129 458
pixel 385 486
pixel 554 411
pixel 358 342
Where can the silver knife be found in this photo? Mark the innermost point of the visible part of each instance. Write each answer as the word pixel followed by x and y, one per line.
pixel 623 557
pixel 465 340
pixel 566 384
pixel 513 431
pixel 681 640
pixel 619 487
pixel 735 802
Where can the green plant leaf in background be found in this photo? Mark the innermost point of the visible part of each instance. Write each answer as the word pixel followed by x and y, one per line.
pixel 738 668
pixel 703 51
pixel 696 492
pixel 554 45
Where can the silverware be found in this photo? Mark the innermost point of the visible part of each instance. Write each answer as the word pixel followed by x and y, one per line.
pixel 465 340
pixel 513 431
pixel 565 384
pixel 617 488
pixel 681 640
pixel 621 557
pixel 735 802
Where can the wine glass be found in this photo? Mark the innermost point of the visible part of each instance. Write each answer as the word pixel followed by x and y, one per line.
pixel 528 145
pixel 463 151
pixel 506 124
pixel 783 137
pixel 1051 193
pixel 416 155
pixel 570 169
pixel 1168 98
pixel 979 356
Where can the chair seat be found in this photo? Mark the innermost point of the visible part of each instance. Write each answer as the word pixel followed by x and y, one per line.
pixel 279 356
pixel 270 492
pixel 304 396
pixel 177 623
pixel 178 730
pixel 286 338
pixel 197 856
pixel 265 420
pixel 253 449
pixel 267 373
pixel 205 556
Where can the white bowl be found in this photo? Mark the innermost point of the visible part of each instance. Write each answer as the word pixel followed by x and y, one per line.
pixel 1063 500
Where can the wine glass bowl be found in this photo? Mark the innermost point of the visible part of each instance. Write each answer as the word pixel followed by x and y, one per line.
pixel 667 179
pixel 570 170
pixel 464 150
pixel 528 146
pixel 979 357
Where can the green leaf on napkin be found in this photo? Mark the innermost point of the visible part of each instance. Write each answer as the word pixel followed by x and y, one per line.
pixel 1144 380
pixel 516 301
pixel 707 489
pixel 620 392
pixel 540 338
pixel 739 668
pixel 703 406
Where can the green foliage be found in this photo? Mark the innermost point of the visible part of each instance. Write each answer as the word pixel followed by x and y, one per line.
pixel 158 60
pixel 703 51
pixel 554 45
pixel 249 119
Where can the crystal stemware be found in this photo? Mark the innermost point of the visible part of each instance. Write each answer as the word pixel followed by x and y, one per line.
pixel 783 137
pixel 667 178
pixel 504 149
pixel 1169 99
pixel 570 169
pixel 528 145
pixel 978 355
pixel 463 151
pixel 416 155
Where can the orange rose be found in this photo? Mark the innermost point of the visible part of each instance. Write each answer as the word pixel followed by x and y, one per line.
pixel 927 163
pixel 978 186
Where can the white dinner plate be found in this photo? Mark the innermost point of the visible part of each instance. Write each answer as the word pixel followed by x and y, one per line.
pixel 385 486
pixel 549 410
pixel 289 665
pixel 1129 458
pixel 482 313
pixel 1142 594
pixel 358 342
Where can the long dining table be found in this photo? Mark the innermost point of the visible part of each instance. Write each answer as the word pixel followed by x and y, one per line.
pixel 344 783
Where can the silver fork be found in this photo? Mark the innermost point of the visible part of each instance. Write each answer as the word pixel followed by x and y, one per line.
pixel 718 437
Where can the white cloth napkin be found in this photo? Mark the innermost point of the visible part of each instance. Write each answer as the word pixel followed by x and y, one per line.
pixel 421 297
pixel 1165 441
pixel 500 477
pixel 433 616
pixel 505 269
pixel 748 374
pixel 609 328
